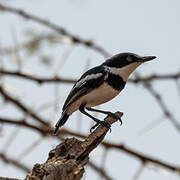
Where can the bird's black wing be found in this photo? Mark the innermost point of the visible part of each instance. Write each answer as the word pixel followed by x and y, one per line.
pixel 90 80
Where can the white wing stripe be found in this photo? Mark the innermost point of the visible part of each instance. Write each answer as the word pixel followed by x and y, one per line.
pixel 87 78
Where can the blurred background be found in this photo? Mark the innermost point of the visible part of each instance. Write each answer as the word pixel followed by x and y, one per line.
pixel 46 45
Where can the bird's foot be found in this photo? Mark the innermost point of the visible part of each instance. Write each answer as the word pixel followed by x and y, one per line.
pixel 113 115
pixel 103 123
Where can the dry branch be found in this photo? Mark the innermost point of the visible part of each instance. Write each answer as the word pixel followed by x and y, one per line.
pixel 172 76
pixel 163 106
pixel 100 170
pixel 39 80
pixel 14 162
pixel 62 31
pixel 21 106
pixel 56 79
pixel 68 159
pixel 145 159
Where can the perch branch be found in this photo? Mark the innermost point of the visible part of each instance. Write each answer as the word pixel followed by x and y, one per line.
pixel 68 159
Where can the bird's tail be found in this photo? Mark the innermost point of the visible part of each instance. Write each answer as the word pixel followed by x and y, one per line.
pixel 64 117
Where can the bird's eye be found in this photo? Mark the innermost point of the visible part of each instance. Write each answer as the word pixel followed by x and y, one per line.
pixel 129 58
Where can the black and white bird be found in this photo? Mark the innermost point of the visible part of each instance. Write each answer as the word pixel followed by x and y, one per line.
pixel 99 85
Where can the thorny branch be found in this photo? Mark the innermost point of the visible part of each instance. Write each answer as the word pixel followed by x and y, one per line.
pixel 62 31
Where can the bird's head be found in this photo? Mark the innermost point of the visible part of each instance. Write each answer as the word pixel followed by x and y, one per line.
pixel 124 64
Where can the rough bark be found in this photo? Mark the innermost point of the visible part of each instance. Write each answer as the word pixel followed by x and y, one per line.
pixel 67 160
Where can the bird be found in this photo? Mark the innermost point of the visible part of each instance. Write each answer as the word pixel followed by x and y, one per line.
pixel 99 85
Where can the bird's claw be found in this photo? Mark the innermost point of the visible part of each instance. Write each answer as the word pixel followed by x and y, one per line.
pixel 92 128
pixel 103 123
pixel 113 115
pixel 120 121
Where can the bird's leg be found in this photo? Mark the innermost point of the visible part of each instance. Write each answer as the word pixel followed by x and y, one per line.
pixel 103 123
pixel 105 112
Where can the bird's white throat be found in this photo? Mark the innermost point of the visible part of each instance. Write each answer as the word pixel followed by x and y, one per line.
pixel 125 71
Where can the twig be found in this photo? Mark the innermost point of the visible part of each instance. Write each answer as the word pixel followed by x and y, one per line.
pixel 100 170
pixel 16 53
pixel 10 139
pixel 161 103
pixel 142 157
pixel 178 86
pixel 163 106
pixel 45 130
pixel 21 106
pixel 30 148
pixel 25 45
pixel 138 172
pixel 103 162
pixel 14 162
pixel 173 76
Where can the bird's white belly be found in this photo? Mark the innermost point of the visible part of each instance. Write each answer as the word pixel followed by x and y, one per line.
pixel 96 97
pixel 100 95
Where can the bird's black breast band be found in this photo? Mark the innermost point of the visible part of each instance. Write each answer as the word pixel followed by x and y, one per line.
pixel 115 81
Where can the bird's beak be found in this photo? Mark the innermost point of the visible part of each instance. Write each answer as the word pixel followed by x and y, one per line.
pixel 146 58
